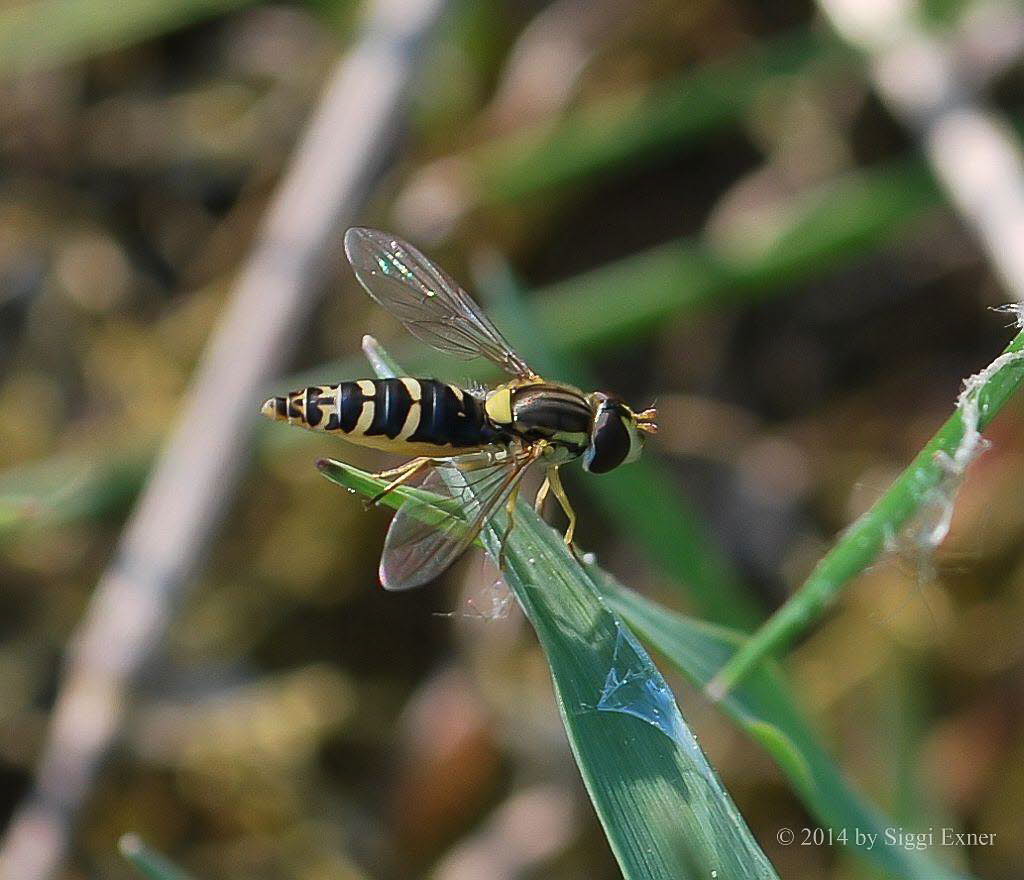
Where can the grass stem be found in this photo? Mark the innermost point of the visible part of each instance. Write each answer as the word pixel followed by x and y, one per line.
pixel 926 489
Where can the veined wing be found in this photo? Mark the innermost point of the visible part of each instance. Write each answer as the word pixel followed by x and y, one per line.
pixel 423 541
pixel 426 299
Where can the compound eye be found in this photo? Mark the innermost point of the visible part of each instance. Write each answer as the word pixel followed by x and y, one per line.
pixel 611 443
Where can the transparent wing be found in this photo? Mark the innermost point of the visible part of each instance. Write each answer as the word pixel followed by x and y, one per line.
pixel 423 541
pixel 426 299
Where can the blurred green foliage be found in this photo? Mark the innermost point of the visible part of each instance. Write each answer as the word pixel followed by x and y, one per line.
pixel 44 33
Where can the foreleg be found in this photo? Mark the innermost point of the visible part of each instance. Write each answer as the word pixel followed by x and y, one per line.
pixel 559 491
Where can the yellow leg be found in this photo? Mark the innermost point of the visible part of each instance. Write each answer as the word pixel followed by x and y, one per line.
pixel 401 469
pixel 510 514
pixel 563 499
pixel 510 507
pixel 401 475
pixel 542 495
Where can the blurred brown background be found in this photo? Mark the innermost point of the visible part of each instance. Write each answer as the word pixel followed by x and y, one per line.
pixel 297 721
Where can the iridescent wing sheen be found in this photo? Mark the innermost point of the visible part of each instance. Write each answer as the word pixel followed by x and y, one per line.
pixel 427 300
pixel 423 541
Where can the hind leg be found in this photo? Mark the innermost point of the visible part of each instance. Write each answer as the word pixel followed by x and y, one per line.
pixel 510 515
pixel 400 475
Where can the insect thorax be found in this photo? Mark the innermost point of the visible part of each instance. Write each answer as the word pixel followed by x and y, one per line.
pixel 543 411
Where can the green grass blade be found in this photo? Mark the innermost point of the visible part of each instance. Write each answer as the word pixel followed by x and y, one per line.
pixel 149 862
pixel 46 33
pixel 663 808
pixel 664 811
pixel 926 488
pixel 764 706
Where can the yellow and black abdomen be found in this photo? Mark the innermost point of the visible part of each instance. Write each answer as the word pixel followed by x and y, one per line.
pixel 404 415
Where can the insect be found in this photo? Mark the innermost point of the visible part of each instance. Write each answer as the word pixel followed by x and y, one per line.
pixel 472 447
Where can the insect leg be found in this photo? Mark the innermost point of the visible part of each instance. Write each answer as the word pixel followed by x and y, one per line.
pixel 397 471
pixel 401 475
pixel 542 495
pixel 510 514
pixel 510 509
pixel 563 499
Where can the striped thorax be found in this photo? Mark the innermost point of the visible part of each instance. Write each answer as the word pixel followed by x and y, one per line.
pixel 539 410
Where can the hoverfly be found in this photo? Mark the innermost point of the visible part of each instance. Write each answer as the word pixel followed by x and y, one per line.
pixel 470 446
